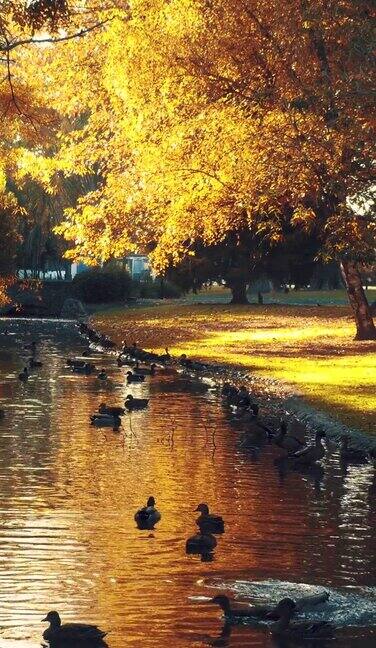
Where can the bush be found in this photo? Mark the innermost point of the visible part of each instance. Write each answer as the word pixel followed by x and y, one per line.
pixel 153 290
pixel 102 285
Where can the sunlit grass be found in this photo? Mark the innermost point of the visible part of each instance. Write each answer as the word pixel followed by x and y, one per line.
pixel 311 348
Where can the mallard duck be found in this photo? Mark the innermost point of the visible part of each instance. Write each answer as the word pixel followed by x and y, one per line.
pixel 351 455
pixel 309 454
pixel 112 411
pixel 145 371
pixel 132 403
pixel 238 611
pixel 201 543
pixel 24 375
pixel 70 632
pixel 301 630
pixel 286 441
pixel 148 516
pixel 102 375
pixel 207 522
pixel 33 364
pixel 131 377
pixel 246 610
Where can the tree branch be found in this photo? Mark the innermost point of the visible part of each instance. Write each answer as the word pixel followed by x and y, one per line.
pixel 8 47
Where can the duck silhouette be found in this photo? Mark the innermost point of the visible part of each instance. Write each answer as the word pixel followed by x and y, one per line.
pixel 58 634
pixel 132 377
pixel 148 516
pixel 287 441
pixel 309 454
pixel 298 630
pixel 132 403
pixel 207 522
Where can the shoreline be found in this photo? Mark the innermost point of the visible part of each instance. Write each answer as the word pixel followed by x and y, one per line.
pixel 293 404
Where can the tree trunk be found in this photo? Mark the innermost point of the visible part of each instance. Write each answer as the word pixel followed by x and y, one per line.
pixel 239 293
pixel 365 328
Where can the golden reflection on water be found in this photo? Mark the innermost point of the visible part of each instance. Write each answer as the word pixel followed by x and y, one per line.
pixel 68 540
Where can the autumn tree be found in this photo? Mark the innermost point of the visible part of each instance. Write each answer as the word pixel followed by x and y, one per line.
pixel 210 118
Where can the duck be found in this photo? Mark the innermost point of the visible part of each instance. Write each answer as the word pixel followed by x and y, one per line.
pixel 270 611
pixel 24 375
pixel 351 455
pixel 300 630
pixel 201 543
pixel 207 522
pixel 132 403
pixel 70 632
pixel 2 413
pixel 102 375
pixel 287 441
pixel 148 516
pixel 112 411
pixel 309 454
pixel 234 613
pixel 131 377
pixel 35 363
pixel 145 371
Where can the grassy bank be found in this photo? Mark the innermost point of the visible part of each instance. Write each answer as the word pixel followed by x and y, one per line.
pixel 309 347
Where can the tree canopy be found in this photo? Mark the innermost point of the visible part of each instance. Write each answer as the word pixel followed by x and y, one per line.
pixel 202 119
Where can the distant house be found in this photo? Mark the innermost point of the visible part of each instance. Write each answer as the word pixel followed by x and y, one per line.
pixel 137 266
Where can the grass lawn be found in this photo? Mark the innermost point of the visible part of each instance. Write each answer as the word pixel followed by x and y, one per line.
pixel 309 347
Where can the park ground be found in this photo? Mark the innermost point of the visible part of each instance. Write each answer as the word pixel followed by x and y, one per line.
pixel 304 340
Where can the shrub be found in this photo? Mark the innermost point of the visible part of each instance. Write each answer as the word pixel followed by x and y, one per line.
pixel 153 290
pixel 102 285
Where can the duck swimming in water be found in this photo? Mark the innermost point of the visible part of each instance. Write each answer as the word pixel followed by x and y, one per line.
pixel 148 516
pixel 235 612
pixel 207 522
pixel 310 453
pixel 61 634
pixel 131 377
pixel 102 375
pixel 287 441
pixel 298 630
pixel 132 403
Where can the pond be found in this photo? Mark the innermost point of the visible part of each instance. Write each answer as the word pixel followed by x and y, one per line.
pixel 69 491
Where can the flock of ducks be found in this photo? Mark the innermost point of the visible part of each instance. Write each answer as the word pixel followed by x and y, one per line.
pixel 297 453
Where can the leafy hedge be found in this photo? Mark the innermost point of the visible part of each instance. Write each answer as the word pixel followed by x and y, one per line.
pixel 102 285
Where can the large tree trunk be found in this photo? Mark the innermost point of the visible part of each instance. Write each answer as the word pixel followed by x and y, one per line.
pixel 239 293
pixel 365 328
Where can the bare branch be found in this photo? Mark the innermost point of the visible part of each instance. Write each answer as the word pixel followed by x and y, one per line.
pixel 8 47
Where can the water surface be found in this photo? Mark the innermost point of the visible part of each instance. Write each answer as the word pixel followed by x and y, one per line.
pixel 69 491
